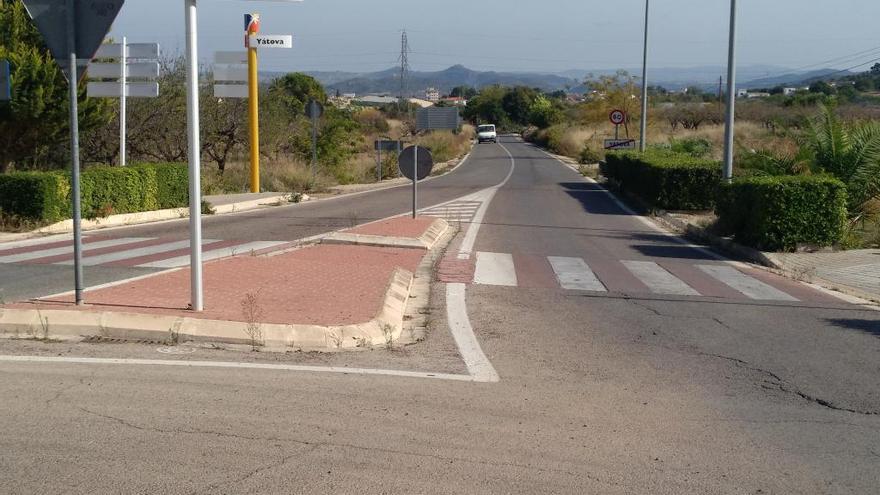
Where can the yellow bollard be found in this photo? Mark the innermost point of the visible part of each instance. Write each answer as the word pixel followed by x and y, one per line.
pixel 253 107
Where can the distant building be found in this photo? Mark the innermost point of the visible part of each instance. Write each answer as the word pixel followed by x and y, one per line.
pixel 742 93
pixel 758 94
pixel 375 101
pixel 421 103
pixel 455 101
pixel 432 95
pixel 789 91
pixel 350 96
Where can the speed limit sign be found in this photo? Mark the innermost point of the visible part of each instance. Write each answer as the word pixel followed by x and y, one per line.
pixel 617 117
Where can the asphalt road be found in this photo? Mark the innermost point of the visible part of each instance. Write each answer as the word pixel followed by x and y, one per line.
pixel 619 390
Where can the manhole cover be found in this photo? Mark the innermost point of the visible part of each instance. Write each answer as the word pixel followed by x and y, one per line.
pixel 175 350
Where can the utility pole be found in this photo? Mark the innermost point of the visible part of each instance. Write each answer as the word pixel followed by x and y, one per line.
pixel 644 124
pixel 731 96
pixel 404 69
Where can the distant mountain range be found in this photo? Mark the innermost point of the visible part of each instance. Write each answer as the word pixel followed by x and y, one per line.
pixel 388 81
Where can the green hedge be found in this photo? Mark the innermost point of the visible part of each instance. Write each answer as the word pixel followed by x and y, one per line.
pixel 45 196
pixel 668 180
pixel 779 212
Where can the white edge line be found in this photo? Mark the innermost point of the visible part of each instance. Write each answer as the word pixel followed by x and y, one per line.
pixel 460 325
pixel 739 264
pixel 237 365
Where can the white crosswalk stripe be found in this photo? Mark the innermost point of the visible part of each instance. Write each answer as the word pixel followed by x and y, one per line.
pixel 495 269
pixel 214 254
pixel 750 287
pixel 457 211
pixel 134 253
pixel 120 250
pixel 45 253
pixel 575 274
pixel 658 280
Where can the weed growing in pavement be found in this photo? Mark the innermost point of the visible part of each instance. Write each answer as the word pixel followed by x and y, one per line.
pixel 388 333
pixel 253 313
pixel 44 323
pixel 173 337
pixel 361 342
pixel 803 274
pixel 353 219
pixel 336 338
pixel 207 208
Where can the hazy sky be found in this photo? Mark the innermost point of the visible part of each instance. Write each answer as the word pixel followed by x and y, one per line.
pixel 518 35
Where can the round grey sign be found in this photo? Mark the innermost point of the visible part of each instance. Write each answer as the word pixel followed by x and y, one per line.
pixel 406 162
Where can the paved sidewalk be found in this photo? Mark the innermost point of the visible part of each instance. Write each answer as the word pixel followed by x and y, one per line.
pixel 856 272
pixel 305 295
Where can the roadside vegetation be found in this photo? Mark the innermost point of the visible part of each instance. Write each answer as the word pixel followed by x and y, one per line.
pixel 34 137
pixel 806 165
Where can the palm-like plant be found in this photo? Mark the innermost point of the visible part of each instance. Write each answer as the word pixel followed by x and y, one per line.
pixel 852 154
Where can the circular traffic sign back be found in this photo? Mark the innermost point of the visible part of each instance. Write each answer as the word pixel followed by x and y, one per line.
pixel 617 117
pixel 406 162
pixel 314 109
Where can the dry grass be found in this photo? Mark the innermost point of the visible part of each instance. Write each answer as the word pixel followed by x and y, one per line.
pixel 277 176
pixel 445 145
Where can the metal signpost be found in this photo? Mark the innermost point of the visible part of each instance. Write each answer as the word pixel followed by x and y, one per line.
pixel 314 110
pixel 146 67
pixel 643 127
pixel 5 86
pixel 415 163
pixel 73 30
pixel 380 146
pixel 731 96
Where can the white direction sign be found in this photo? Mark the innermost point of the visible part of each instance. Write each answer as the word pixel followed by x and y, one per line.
pixel 270 41
pixel 135 50
pixel 114 89
pixel 92 19
pixel 230 91
pixel 227 58
pixel 135 70
pixel 231 73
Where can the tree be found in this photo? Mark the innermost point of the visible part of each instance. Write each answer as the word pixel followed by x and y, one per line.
pixel 487 107
pixel 517 103
pixel 543 113
pixel 852 154
pixel 822 87
pixel 34 125
pixel 466 92
pixel 296 89
pixel 875 70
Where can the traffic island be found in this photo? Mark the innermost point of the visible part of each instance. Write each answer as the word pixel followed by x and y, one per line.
pixel 324 296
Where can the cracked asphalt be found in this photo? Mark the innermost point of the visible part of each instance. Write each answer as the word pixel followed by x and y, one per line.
pixel 616 392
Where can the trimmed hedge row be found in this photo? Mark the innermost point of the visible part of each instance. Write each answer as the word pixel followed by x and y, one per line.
pixel 45 196
pixel 669 180
pixel 780 212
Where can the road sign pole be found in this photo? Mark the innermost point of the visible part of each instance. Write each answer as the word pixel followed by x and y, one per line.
pixel 192 130
pixel 74 154
pixel 314 105
pixel 415 181
pixel 253 108
pixel 644 124
pixel 731 96
pixel 123 63
pixel 378 163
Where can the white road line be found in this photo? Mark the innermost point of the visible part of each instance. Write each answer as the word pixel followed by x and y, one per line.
pixel 133 253
pixel 477 363
pixel 229 364
pixel 745 284
pixel 213 254
pixel 486 195
pixel 658 279
pixel 35 241
pixel 575 274
pixel 45 253
pixel 495 269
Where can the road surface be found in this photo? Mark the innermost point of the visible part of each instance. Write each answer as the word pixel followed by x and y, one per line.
pixel 628 360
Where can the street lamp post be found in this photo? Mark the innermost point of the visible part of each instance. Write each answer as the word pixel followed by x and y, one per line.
pixel 644 124
pixel 194 154
pixel 731 96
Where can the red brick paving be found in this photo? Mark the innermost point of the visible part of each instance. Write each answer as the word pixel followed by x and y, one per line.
pixel 407 227
pixel 320 285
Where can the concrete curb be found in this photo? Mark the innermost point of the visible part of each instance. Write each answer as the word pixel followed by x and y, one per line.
pixel 426 241
pixel 386 326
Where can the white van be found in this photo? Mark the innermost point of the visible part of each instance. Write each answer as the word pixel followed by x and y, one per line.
pixel 486 133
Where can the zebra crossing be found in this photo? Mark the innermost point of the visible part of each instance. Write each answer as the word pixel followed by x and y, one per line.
pixel 707 279
pixel 457 211
pixel 133 252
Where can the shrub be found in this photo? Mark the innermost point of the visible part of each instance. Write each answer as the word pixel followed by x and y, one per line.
pixel 35 195
pixel 589 156
pixel 778 213
pixel 698 147
pixel 665 179
pixel 45 196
